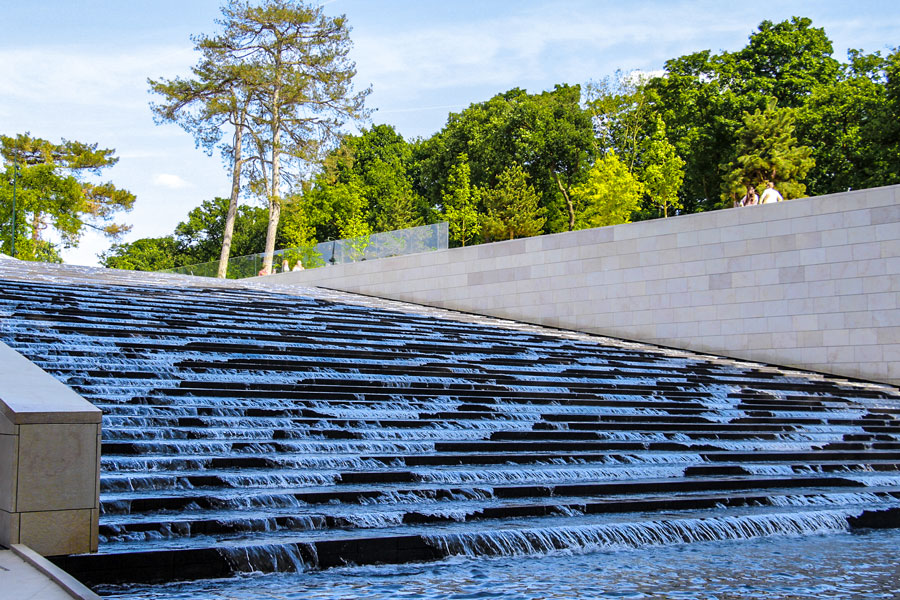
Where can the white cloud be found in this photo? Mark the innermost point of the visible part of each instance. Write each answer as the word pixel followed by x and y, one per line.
pixel 173 182
pixel 75 76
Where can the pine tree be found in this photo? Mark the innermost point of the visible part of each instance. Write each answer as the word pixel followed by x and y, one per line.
pixel 513 207
pixel 767 150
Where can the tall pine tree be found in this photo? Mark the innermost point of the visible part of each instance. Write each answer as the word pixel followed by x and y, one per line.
pixel 513 207
pixel 766 150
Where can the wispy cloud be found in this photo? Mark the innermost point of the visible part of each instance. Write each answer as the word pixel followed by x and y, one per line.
pixel 173 182
pixel 76 76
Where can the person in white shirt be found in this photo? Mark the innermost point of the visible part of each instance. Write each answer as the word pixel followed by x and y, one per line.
pixel 770 194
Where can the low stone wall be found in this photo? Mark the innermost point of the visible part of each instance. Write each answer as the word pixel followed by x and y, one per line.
pixel 49 461
pixel 812 283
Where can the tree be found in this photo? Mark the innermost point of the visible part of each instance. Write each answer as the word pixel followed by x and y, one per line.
pixel 851 127
pixel 203 106
pixel 767 151
pixel 609 195
pixel 294 68
pixel 620 111
pixel 700 122
pixel 53 191
pixel 196 240
pixel 379 161
pixel 554 137
pixel 662 169
pixel 512 207
pixel 786 60
pixel 703 96
pixel 199 238
pixel 548 135
pixel 363 187
pixel 146 254
pixel 460 203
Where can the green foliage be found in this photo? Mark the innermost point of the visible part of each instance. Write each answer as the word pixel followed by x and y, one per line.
pixel 199 238
pixel 549 135
pixel 852 126
pixel 767 150
pixel 512 208
pixel 196 240
pixel 146 254
pixel 54 192
pixel 609 195
pixel 364 187
pixel 662 169
pixel 460 203
pixel 703 97
pixel 786 60
pixel 620 110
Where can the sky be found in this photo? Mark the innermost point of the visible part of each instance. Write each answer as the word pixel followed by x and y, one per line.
pixel 78 69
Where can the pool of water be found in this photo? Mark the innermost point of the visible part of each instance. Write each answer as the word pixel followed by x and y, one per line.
pixel 852 565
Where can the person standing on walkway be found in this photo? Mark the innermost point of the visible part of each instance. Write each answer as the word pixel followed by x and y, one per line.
pixel 770 194
pixel 749 198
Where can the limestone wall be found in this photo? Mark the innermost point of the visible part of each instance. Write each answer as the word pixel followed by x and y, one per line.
pixel 812 283
pixel 49 461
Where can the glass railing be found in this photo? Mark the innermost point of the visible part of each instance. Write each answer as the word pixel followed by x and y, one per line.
pixel 377 245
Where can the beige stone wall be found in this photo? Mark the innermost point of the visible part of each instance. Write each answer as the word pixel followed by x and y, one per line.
pixel 49 461
pixel 812 283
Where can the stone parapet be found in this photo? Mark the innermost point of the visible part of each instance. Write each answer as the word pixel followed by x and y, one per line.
pixel 49 461
pixel 812 283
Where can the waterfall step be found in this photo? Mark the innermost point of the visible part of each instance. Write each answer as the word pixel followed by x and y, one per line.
pixel 299 554
pixel 143 502
pixel 234 524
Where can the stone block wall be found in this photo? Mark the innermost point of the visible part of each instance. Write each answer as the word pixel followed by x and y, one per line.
pixel 49 461
pixel 812 283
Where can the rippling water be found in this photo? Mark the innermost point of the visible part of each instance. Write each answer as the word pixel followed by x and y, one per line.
pixel 860 565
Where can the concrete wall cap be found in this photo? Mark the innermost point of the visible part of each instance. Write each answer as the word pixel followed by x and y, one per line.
pixel 31 395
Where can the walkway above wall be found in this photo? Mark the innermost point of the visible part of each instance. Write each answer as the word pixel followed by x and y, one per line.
pixel 812 283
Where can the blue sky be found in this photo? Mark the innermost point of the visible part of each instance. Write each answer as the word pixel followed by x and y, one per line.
pixel 78 69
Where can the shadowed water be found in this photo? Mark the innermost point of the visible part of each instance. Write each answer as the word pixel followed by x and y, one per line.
pixel 858 565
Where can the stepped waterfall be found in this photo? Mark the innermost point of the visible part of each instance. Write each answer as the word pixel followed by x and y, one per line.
pixel 268 430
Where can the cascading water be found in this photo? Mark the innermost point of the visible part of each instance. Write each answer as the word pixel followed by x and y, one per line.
pixel 246 430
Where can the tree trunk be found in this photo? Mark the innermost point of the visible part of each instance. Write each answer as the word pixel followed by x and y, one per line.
pixel 233 203
pixel 37 223
pixel 569 205
pixel 275 189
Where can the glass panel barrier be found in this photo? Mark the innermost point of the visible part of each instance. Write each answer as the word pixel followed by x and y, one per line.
pixel 414 240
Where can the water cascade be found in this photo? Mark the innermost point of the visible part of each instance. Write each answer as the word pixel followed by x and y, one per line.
pixel 253 430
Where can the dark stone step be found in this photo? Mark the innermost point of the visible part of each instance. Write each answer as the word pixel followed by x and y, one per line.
pixel 181 564
pixel 161 502
pixel 185 526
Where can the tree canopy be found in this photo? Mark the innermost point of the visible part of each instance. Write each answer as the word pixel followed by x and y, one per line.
pixel 198 239
pixel 277 79
pixel 57 196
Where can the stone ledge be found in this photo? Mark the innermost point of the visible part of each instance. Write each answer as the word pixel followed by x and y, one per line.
pixel 29 395
pixel 50 460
